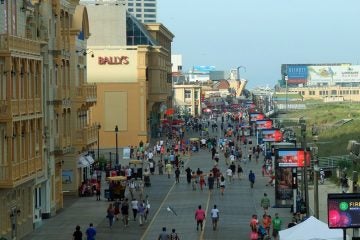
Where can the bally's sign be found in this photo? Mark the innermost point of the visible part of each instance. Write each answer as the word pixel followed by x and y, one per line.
pixel 116 60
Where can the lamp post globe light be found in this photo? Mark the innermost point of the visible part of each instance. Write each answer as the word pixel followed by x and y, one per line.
pixel 116 140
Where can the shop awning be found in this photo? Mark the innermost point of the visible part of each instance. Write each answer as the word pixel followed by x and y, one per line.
pixel 82 162
pixel 90 159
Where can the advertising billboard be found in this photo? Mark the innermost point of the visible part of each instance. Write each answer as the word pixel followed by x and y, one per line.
pixel 271 135
pixel 264 124
pixel 292 157
pixel 297 74
pixel 283 187
pixel 343 210
pixel 331 75
pixel 203 69
pixel 256 116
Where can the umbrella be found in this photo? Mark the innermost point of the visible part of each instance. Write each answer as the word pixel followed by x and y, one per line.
pixel 169 111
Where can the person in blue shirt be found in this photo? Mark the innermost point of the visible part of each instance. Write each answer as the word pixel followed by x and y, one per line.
pixel 251 179
pixel 90 232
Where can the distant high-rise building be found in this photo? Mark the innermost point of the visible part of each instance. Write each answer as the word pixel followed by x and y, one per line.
pixel 143 10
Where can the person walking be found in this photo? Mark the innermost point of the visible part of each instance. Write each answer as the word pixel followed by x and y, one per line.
pixel 174 235
pixel 251 179
pixel 77 235
pixel 147 207
pixel 168 168
pixel 276 223
pixel 265 203
pixel 141 211
pixel 117 209
pixel 199 217
pixel 90 232
pixel 222 184
pixel 134 207
pixel 254 227
pixel 229 174
pixel 215 216
pixel 110 214
pixel 239 171
pixel 125 212
pixel 211 181
pixel 177 175
pixel 193 180
pixel 188 175
pixel 163 235
pixel 202 182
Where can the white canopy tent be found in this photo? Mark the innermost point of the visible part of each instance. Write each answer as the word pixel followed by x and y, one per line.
pixel 311 229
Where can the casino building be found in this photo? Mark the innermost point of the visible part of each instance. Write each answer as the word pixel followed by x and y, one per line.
pixel 131 66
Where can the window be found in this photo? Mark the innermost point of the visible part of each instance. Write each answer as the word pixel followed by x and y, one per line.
pixel 149 10
pixel 138 4
pixel 149 15
pixel 187 94
pixel 149 20
pixel 130 4
pixel 333 92
pixel 138 15
pixel 149 4
pixel 138 10
pixel 196 95
pixel 131 10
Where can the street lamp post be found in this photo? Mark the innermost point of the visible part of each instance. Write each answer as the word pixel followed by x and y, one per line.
pixel 116 139
pixel 286 93
pixel 238 72
pixel 98 143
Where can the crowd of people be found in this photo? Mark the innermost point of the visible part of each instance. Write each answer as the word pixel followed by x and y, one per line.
pixel 229 146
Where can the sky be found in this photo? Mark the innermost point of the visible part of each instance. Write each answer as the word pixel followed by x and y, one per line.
pixel 262 34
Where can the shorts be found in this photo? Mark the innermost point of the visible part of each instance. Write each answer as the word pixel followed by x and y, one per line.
pixel 215 219
pixel 275 233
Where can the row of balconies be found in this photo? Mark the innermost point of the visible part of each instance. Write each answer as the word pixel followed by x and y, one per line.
pixel 12 174
pixel 17 107
pixel 86 136
pixel 86 93
pixel 10 42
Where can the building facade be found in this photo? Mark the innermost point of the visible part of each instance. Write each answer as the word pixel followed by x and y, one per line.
pixel 133 80
pixel 44 124
pixel 187 99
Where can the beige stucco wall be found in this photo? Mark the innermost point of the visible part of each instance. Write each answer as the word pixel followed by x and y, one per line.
pixel 117 104
pixel 103 19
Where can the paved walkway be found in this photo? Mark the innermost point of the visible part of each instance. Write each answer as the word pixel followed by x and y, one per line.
pixel 236 207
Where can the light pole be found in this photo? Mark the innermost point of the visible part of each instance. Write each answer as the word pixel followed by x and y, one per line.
pixel 316 171
pixel 304 184
pixel 286 93
pixel 98 143
pixel 238 72
pixel 116 139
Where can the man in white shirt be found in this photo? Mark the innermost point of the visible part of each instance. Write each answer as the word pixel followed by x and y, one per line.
pixel 229 173
pixel 150 155
pixel 215 217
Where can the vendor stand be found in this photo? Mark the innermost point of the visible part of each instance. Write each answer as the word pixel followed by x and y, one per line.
pixel 117 187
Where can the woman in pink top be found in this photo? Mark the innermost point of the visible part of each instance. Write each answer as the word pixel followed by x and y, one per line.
pixel 199 217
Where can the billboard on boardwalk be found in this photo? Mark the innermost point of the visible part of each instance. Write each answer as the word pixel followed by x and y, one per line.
pixel 343 210
pixel 264 124
pixel 256 116
pixel 283 187
pixel 292 157
pixel 271 135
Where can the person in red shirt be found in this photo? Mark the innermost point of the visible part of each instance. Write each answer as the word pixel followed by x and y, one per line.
pixel 199 217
